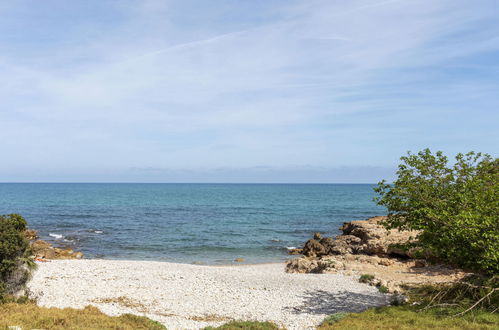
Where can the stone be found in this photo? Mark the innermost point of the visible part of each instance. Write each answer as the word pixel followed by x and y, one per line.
pixel 301 265
pixel 313 248
pixel 44 250
pixel 385 262
pixel 239 260
pixel 317 236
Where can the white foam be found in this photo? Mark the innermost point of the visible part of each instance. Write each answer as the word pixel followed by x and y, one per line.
pixel 56 236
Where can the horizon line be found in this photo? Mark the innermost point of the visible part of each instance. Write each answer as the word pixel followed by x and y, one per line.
pixel 138 182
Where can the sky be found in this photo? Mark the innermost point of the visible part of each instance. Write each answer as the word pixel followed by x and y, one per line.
pixel 242 91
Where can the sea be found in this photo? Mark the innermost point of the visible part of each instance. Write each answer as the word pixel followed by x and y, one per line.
pixel 186 223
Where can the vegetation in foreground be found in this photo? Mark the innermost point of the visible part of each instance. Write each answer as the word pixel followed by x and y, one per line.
pixel 411 317
pixel 30 316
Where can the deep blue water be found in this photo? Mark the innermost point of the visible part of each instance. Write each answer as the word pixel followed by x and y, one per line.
pixel 210 223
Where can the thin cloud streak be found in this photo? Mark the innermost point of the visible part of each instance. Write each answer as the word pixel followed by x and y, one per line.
pixel 318 82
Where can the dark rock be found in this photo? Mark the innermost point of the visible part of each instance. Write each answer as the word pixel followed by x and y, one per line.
pixel 313 248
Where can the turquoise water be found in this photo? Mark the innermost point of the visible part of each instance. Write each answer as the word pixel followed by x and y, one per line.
pixel 209 223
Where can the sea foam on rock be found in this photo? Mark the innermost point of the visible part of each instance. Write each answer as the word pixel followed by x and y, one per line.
pixel 44 250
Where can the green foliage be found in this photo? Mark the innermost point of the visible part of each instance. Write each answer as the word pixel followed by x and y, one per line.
pixel 15 261
pixel 383 289
pixel 366 278
pixel 456 207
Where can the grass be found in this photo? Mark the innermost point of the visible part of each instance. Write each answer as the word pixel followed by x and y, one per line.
pixel 30 316
pixel 247 325
pixel 409 317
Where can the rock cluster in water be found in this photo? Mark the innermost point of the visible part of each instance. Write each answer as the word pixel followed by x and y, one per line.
pixel 44 250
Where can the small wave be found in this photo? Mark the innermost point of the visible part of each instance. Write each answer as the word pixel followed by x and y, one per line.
pixel 275 240
pixel 56 236
pixel 94 231
pixel 290 247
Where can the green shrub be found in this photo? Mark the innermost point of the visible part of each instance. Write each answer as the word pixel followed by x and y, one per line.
pixel 15 261
pixel 366 278
pixel 383 289
pixel 456 207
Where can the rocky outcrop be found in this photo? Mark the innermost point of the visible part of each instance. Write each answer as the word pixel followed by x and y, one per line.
pixel 366 247
pixel 44 250
pixel 361 237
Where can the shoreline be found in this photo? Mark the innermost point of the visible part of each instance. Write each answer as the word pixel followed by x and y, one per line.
pixel 186 296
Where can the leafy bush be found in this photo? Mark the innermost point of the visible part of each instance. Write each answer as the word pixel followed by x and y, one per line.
pixel 15 261
pixel 456 207
pixel 383 289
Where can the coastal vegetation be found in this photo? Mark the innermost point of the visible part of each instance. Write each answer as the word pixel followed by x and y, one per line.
pixel 454 207
pixel 410 318
pixel 15 255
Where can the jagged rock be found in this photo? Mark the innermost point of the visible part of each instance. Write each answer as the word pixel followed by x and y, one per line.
pixel 328 264
pixel 301 265
pixel 45 250
pixel 375 239
pixel 344 244
pixel 313 248
pixel 360 237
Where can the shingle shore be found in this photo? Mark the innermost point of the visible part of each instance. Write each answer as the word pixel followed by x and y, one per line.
pixel 183 296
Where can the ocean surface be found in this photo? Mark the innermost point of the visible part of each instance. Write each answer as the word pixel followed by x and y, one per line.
pixel 190 223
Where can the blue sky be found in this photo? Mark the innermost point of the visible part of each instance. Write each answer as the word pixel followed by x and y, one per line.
pixel 242 91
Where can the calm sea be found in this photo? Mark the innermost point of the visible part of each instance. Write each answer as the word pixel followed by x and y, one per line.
pixel 207 223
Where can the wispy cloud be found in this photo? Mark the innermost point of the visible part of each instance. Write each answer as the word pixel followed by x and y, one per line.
pixel 174 84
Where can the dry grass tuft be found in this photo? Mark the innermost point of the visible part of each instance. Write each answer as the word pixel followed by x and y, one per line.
pixel 30 316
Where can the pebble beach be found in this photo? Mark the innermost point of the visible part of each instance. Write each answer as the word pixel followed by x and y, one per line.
pixel 184 296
